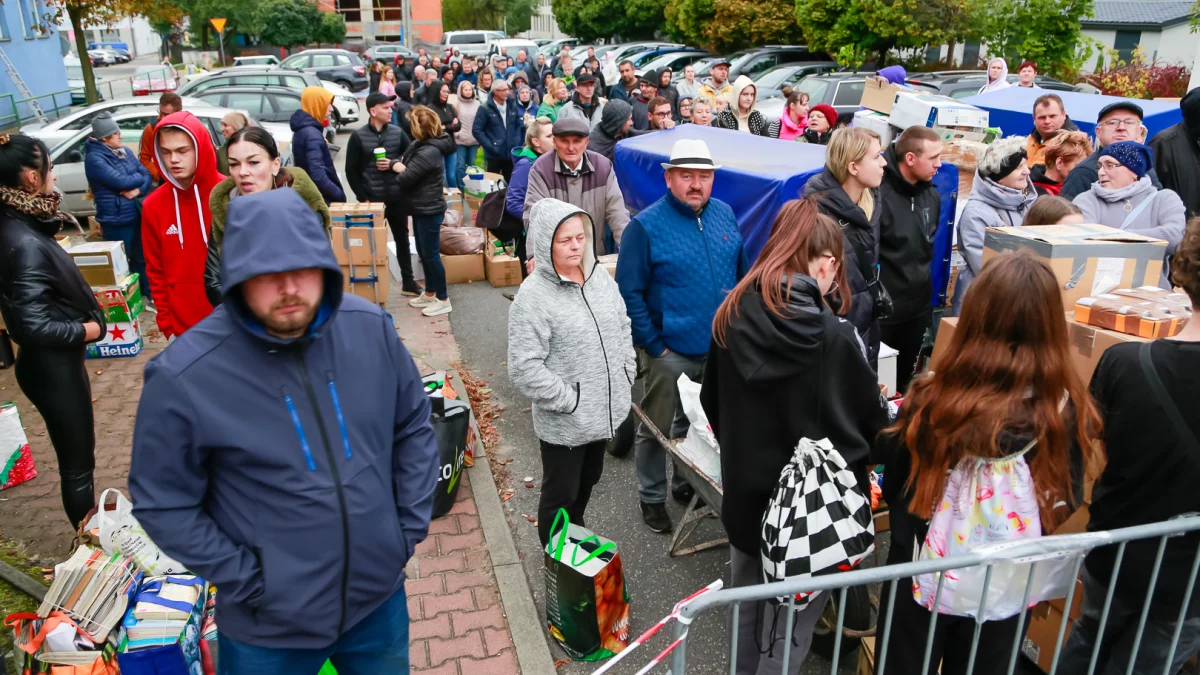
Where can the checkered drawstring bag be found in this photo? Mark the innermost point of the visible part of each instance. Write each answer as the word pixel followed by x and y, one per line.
pixel 818 520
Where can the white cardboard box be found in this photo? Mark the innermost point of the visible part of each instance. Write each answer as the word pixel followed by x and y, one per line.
pixel 877 122
pixel 887 368
pixel 927 110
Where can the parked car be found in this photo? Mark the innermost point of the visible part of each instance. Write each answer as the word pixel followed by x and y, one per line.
pixel 64 127
pixel 266 104
pixel 842 90
pixel 118 48
pixel 154 80
pixel 750 62
pixel 68 155
pixel 118 55
pixel 675 59
pixel 76 83
pixel 386 53
pixel 260 60
pixel 345 104
pixel 467 42
pixel 513 45
pixel 102 57
pixel 553 47
pixel 771 82
pixel 336 65
pixel 964 83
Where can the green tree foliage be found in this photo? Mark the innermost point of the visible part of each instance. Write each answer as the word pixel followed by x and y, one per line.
pixel 858 30
pixel 240 17
pixel 519 16
pixel 288 23
pixel 602 19
pixel 729 25
pixel 468 14
pixel 331 29
pixel 1044 31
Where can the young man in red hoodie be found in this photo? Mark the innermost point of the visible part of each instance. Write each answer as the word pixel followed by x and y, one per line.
pixel 176 222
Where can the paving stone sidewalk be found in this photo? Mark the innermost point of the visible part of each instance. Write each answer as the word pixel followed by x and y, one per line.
pixel 459 626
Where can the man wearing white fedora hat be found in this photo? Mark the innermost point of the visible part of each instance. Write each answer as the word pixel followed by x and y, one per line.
pixel 679 257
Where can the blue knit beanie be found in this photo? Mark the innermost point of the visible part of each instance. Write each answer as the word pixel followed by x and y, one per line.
pixel 1134 156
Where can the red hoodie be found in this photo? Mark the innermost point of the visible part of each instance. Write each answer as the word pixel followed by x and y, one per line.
pixel 176 224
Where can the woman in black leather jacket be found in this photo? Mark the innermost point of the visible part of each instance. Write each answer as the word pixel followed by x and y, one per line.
pixel 421 176
pixel 50 313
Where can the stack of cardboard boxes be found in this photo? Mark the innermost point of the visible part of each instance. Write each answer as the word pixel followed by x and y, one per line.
pixel 462 269
pixel 500 264
pixel 105 267
pixel 359 238
pixel 890 108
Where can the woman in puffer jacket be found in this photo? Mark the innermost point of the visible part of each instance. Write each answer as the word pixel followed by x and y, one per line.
pixel 570 351
pixel 421 176
pixel 1000 196
pixel 1125 198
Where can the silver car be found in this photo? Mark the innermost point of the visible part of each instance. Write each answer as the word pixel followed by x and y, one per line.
pixel 68 156
pixel 66 126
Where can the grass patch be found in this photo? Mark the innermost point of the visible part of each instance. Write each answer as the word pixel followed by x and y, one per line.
pixel 12 599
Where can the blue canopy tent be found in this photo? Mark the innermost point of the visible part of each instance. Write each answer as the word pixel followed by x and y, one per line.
pixel 756 177
pixel 1012 110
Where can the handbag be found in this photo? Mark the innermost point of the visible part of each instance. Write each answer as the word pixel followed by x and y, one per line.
pixel 882 300
pixel 493 215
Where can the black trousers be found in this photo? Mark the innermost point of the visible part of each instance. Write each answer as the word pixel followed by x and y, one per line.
pixel 568 475
pixel 56 382
pixel 906 337
pixel 398 222
pixel 952 637
pixel 503 167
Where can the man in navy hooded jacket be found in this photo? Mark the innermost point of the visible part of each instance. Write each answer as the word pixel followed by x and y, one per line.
pixel 283 452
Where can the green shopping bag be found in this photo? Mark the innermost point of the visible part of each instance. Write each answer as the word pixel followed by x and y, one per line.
pixel 587 605
pixel 328 669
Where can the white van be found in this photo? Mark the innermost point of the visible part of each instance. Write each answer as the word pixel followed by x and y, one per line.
pixel 469 42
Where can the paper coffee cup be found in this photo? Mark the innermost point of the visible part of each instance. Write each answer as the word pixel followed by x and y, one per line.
pixel 380 153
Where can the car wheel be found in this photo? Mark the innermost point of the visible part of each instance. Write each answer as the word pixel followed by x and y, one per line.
pixel 336 120
pixel 346 84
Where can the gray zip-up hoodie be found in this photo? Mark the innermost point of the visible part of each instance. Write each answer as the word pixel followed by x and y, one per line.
pixel 1164 218
pixel 569 346
pixel 990 205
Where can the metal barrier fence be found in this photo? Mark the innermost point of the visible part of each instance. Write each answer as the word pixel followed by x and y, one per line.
pixel 1029 552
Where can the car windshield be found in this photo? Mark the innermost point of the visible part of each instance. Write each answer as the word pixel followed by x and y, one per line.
pixel 643 59
pixel 738 59
pixel 774 79
pixel 814 88
pixel 74 72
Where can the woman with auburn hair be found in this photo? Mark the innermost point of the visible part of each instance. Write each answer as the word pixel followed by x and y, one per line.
pixel 845 191
pixel 1051 210
pixel 784 366
pixel 1063 152
pixel 1006 385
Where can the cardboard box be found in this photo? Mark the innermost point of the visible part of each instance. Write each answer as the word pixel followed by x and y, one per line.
pixel 364 285
pixel 1135 316
pixel 122 302
pixel 359 245
pixel 1087 259
pixel 1088 343
pixel 609 263
pixel 454 201
pixel 479 186
pixel 866 657
pixel 877 122
pixel 887 368
pixel 957 264
pixel 461 269
pixel 501 268
pixel 361 215
pixel 960 134
pixel 879 95
pixel 103 263
pixel 941 344
pixel 122 339
pixel 1039 643
pixel 927 110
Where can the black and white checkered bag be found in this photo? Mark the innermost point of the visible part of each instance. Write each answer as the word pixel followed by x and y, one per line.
pixel 818 520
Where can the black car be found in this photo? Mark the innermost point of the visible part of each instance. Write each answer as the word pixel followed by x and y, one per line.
pixel 266 104
pixel 770 83
pixel 964 83
pixel 843 91
pixel 751 62
pixel 336 65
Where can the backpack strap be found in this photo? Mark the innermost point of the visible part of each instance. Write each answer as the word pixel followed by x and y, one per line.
pixel 1137 210
pixel 1164 399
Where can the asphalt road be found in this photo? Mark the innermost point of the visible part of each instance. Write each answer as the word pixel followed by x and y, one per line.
pixel 114 81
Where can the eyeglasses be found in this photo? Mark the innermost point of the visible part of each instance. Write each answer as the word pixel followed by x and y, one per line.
pixel 1109 166
pixel 662 115
pixel 1113 124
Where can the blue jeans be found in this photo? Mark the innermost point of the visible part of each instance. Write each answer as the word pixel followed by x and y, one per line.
pixel 376 645
pixel 451 163
pixel 428 232
pixel 130 234
pixel 466 155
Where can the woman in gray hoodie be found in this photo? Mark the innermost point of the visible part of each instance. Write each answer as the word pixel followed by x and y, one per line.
pixel 570 351
pixel 1125 198
pixel 1000 196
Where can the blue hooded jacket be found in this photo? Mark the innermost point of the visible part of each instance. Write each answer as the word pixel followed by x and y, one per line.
pixel 108 176
pixel 311 153
pixel 295 474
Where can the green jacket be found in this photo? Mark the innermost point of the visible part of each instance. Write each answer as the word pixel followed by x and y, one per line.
pixel 547 109
pixel 297 179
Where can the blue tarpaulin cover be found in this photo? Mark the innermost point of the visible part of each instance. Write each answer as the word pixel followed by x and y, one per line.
pixel 756 177
pixel 1012 110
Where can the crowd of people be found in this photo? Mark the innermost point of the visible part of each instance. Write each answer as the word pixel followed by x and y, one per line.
pixel 234 252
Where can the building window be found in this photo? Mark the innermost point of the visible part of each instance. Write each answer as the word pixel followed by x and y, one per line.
pixel 4 34
pixel 388 10
pixel 29 17
pixel 350 10
pixel 1125 42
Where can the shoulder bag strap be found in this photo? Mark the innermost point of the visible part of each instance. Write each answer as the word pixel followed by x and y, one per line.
pixel 1138 209
pixel 1185 433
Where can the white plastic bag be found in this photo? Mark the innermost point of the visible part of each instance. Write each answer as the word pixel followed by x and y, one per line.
pixel 700 446
pixel 120 531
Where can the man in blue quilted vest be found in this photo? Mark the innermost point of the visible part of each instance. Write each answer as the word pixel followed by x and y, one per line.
pixel 679 257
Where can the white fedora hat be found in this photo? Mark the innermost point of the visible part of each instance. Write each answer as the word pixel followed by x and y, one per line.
pixel 690 154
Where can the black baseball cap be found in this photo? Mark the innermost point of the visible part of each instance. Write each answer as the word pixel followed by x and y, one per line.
pixel 721 61
pixel 585 78
pixel 376 98
pixel 1129 106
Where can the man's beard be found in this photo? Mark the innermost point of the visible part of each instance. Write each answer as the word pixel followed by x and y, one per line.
pixel 293 326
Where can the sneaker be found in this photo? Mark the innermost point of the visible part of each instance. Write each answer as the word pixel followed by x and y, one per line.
pixel 438 307
pixel 656 518
pixel 684 496
pixel 422 300
pixel 149 307
pixel 411 289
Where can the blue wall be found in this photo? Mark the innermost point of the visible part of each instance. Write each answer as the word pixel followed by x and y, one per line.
pixel 37 56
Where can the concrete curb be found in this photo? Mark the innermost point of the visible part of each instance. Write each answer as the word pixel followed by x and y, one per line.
pixel 528 634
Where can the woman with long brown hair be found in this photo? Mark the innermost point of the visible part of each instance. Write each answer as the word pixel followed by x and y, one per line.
pixel 783 366
pixel 1005 385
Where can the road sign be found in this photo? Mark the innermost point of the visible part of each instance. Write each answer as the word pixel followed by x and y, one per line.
pixel 218 23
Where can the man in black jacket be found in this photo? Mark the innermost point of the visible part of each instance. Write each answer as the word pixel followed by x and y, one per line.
pixel 372 180
pixel 911 209
pixel 641 102
pixel 1177 154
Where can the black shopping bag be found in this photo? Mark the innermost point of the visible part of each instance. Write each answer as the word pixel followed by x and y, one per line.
pixel 450 420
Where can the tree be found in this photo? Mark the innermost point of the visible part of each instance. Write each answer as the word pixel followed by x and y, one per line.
pixel 1046 32
pixel 592 20
pixel 519 16
pixel 288 23
pixel 854 31
pixel 729 25
pixel 331 29
pixel 240 17
pixel 468 14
